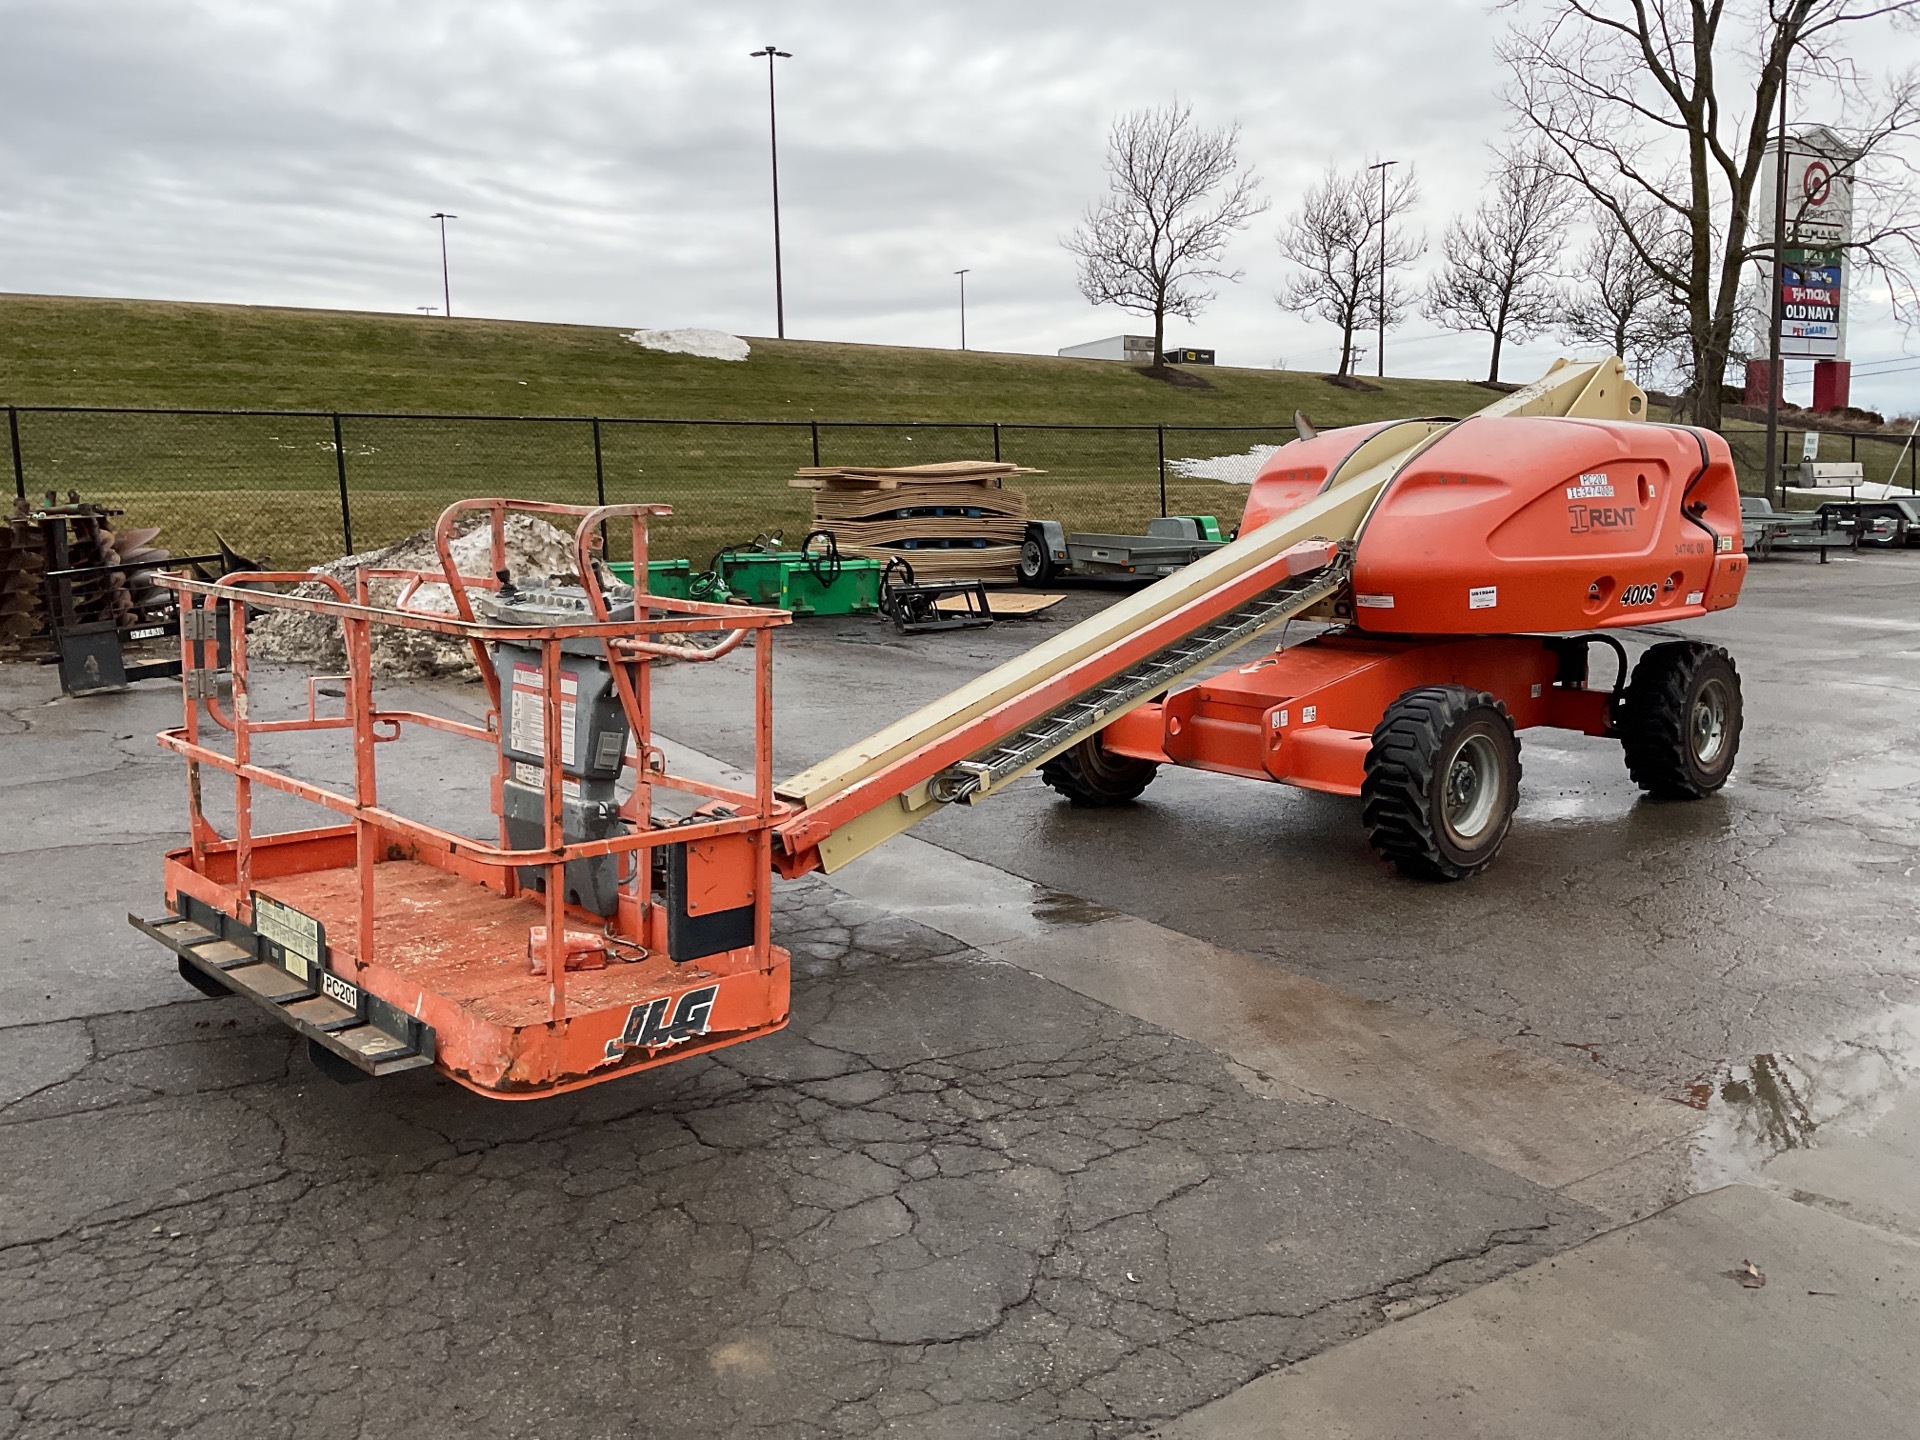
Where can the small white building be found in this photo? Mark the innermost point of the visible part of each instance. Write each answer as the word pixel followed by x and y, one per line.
pixel 1134 349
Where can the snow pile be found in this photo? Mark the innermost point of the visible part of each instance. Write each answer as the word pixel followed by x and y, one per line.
pixel 536 551
pixel 707 344
pixel 1231 469
pixel 1865 490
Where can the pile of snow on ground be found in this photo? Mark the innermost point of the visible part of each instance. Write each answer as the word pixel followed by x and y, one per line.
pixel 1232 469
pixel 1865 490
pixel 707 344
pixel 536 551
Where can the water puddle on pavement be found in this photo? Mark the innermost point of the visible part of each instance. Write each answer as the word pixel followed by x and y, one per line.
pixel 1758 1107
pixel 1877 781
pixel 1596 805
pixel 1054 907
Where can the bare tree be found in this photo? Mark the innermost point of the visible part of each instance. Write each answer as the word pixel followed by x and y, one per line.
pixel 1335 237
pixel 1620 303
pixel 1176 195
pixel 1497 271
pixel 1670 104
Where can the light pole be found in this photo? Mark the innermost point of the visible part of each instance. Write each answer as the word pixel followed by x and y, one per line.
pixel 773 149
pixel 446 287
pixel 963 307
pixel 1380 343
pixel 1776 318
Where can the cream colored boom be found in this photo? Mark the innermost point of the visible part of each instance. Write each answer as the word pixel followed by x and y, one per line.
pixel 1590 389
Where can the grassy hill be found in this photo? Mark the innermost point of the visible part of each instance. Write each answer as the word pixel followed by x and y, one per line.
pixel 271 487
pixel 63 351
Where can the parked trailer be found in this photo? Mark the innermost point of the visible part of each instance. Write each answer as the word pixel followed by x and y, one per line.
pixel 1048 551
pixel 1767 532
pixel 1887 524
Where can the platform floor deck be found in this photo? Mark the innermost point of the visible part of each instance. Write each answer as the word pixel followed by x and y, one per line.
pixel 459 940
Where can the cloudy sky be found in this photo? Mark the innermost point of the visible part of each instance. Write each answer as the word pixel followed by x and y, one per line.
pixel 608 161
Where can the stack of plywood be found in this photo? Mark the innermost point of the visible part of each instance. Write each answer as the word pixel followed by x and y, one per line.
pixel 950 521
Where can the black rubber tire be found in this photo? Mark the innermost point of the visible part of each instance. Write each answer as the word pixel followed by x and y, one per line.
pixel 335 1068
pixel 1679 721
pixel 1089 774
pixel 201 981
pixel 1035 565
pixel 1418 746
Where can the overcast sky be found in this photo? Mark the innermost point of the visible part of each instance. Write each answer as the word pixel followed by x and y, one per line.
pixel 608 162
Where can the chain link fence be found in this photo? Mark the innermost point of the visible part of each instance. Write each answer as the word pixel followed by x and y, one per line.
pixel 294 488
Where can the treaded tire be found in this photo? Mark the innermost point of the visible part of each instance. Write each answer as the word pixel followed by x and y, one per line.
pixel 1680 720
pixel 1431 818
pixel 1089 774
pixel 201 981
pixel 1035 566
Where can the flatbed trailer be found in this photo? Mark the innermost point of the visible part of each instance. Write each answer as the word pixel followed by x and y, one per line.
pixel 607 930
pixel 1050 551
pixel 1769 532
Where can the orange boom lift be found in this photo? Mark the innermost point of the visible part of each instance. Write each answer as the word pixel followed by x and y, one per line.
pixel 619 919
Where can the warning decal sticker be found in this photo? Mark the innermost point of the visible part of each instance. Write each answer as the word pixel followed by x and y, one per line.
pixel 527 718
pixel 289 939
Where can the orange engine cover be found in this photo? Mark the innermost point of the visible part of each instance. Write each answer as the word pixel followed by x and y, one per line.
pixel 1538 524
pixel 1298 471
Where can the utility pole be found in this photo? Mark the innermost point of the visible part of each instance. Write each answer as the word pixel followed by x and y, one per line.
pixel 1380 343
pixel 1777 317
pixel 773 148
pixel 963 307
pixel 446 286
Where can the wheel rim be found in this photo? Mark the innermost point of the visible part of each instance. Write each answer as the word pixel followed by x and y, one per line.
pixel 1707 726
pixel 1031 558
pixel 1472 799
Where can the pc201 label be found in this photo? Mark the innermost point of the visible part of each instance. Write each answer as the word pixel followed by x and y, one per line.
pixel 341 992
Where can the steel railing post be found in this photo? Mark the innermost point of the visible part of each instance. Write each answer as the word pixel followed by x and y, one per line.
pixel 813 427
pixel 599 467
pixel 996 442
pixel 1160 434
pixel 19 469
pixel 340 472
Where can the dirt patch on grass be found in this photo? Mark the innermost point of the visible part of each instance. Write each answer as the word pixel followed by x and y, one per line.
pixel 1173 375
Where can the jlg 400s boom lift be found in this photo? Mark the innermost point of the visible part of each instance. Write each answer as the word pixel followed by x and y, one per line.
pixel 618 918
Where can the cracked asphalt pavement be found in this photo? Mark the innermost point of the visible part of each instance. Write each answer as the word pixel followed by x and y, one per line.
pixel 953 1198
pixel 950 1200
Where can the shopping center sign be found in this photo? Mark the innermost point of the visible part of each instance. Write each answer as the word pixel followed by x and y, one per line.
pixel 1819 223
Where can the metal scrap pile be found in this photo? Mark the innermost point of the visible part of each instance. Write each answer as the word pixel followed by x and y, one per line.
pixel 536 551
pixel 75 536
